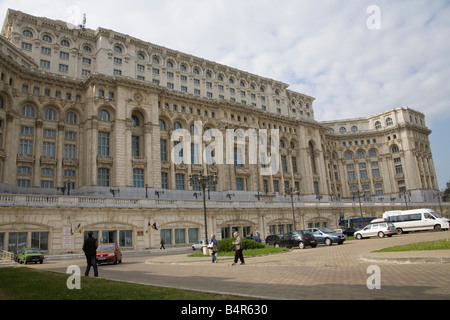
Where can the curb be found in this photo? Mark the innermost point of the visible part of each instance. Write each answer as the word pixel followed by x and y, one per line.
pixel 407 260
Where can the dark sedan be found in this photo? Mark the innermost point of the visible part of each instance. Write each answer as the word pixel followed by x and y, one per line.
pixel 298 238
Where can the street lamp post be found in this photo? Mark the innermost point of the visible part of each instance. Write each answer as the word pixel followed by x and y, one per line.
pixel 204 182
pixel 291 191
pixel 360 206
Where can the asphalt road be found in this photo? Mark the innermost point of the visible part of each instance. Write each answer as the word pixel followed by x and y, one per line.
pixel 338 272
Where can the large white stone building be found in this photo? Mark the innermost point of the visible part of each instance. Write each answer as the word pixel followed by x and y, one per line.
pixel 87 124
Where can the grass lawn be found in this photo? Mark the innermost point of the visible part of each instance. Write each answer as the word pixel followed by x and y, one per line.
pixel 422 246
pixel 24 283
pixel 247 253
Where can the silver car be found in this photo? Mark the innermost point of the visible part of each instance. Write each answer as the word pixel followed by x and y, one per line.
pixel 380 230
pixel 199 245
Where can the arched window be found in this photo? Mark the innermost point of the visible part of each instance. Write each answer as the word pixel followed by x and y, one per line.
pixel 135 120
pixel 46 38
pixel 28 111
pixel 103 115
pixel 342 130
pixel 118 49
pixel 389 122
pixel 27 33
pixel 162 125
pixel 348 156
pixel 65 43
pixel 50 114
pixel 378 125
pixel 395 149
pixel 373 153
pixel 354 129
pixel 2 103
pixel 361 154
pixel 71 117
pixel 177 126
pixel 155 60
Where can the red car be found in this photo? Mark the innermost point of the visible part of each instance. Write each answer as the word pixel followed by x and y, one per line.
pixel 109 253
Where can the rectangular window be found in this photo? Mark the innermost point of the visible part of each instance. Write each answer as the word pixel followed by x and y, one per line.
pixel 135 151
pixel 103 144
pixel 239 184
pixel 63 68
pixel 45 64
pixel 26 147
pixel 179 181
pixel 166 234
pixel 70 151
pixel 48 149
pixel 164 181
pixel 39 240
pixel 27 46
pixel 64 55
pixel 294 164
pixel 45 184
pixel 103 177
pixel 180 237
pixel 46 51
pixel 125 238
pixel 138 178
pixel 163 150
pixel 284 163
pixel 193 235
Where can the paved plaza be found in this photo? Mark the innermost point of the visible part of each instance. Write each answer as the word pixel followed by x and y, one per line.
pixel 336 272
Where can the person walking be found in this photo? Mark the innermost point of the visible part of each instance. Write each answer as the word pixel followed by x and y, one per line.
pixel 90 250
pixel 215 248
pixel 162 245
pixel 238 247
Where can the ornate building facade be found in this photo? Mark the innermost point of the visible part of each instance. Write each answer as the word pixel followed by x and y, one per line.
pixel 87 124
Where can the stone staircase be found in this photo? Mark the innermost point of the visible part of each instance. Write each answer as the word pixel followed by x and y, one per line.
pixel 7 259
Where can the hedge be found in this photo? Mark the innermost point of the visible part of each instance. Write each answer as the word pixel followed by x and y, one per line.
pixel 226 244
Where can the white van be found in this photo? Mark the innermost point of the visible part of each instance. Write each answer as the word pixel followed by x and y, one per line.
pixel 416 220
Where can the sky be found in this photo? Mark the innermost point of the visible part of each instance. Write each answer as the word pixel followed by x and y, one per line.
pixel 356 57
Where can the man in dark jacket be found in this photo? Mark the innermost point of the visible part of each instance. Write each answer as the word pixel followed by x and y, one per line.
pixel 90 250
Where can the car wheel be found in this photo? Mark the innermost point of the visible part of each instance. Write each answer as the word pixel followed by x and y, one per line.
pixel 359 236
pixel 380 234
pixel 314 245
pixel 399 231
pixel 328 242
pixel 437 227
pixel 301 245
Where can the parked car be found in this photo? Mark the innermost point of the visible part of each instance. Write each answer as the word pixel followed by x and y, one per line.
pixel 326 236
pixel 270 239
pixel 26 255
pixel 380 230
pixel 109 253
pixel 298 238
pixel 198 245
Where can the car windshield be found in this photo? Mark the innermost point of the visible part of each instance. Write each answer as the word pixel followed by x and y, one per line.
pixel 105 247
pixel 307 233
pixel 437 215
pixel 32 251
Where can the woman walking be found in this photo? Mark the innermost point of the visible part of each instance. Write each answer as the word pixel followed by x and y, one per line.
pixel 215 248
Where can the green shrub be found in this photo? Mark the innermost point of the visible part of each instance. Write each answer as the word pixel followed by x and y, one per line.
pixel 227 245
